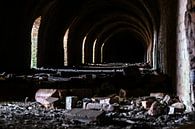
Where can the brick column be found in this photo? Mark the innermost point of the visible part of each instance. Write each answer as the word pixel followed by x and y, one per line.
pixel 184 88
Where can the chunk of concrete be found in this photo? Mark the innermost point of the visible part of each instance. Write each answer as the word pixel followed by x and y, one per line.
pixel 95 106
pixel 71 102
pixel 99 106
pixel 156 109
pixel 84 115
pixel 166 99
pixel 176 108
pixel 178 105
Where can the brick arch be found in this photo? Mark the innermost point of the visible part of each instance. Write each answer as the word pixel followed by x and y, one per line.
pixel 55 21
pixel 106 33
pixel 117 20
pixel 76 30
pixel 114 28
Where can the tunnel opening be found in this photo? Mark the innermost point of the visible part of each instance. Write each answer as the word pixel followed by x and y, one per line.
pixel 124 47
pixel 34 42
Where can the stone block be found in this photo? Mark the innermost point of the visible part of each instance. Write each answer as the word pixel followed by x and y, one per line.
pixel 99 106
pixel 177 108
pixel 84 115
pixel 71 102
pixel 46 97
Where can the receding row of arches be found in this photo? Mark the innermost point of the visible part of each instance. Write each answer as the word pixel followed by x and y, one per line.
pixel 95 32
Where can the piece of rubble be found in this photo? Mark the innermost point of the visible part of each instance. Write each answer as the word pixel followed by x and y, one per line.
pixel 85 102
pixel 95 106
pixel 84 115
pixel 174 99
pixel 127 107
pixel 101 100
pixel 122 93
pixel 138 102
pixel 147 101
pixel 114 99
pixel 3 76
pixel 121 97
pixel 100 106
pixel 147 104
pixel 47 97
pixel 166 99
pixel 71 102
pixel 179 105
pixel 176 108
pixel 124 120
pixel 157 95
pixel 99 103
pixel 108 107
pixel 156 109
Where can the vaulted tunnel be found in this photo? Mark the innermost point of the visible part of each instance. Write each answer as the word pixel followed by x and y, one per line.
pixel 158 35
pixel 89 29
pixel 88 22
pixel 107 22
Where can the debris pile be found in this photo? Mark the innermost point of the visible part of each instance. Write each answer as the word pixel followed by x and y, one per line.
pixel 156 110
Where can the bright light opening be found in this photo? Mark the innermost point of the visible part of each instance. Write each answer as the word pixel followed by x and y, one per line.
pixel 83 50
pixel 102 52
pixel 94 51
pixel 34 42
pixel 66 48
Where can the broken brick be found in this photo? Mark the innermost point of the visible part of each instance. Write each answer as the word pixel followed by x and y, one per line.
pixel 177 108
pixel 157 95
pixel 47 97
pixel 166 99
pixel 156 109
pixel 147 104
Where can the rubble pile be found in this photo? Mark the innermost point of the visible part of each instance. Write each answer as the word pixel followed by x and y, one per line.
pixel 19 115
pixel 156 111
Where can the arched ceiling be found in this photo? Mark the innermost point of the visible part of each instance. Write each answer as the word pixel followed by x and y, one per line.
pixel 95 20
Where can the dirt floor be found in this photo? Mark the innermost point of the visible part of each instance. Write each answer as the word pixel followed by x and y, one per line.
pixel 32 115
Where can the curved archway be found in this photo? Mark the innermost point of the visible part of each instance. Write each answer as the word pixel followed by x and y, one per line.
pixel 110 31
pixel 102 29
pixel 85 23
pixel 65 44
pixel 82 24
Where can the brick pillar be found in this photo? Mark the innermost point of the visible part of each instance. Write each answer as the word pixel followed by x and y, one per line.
pixel 184 88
